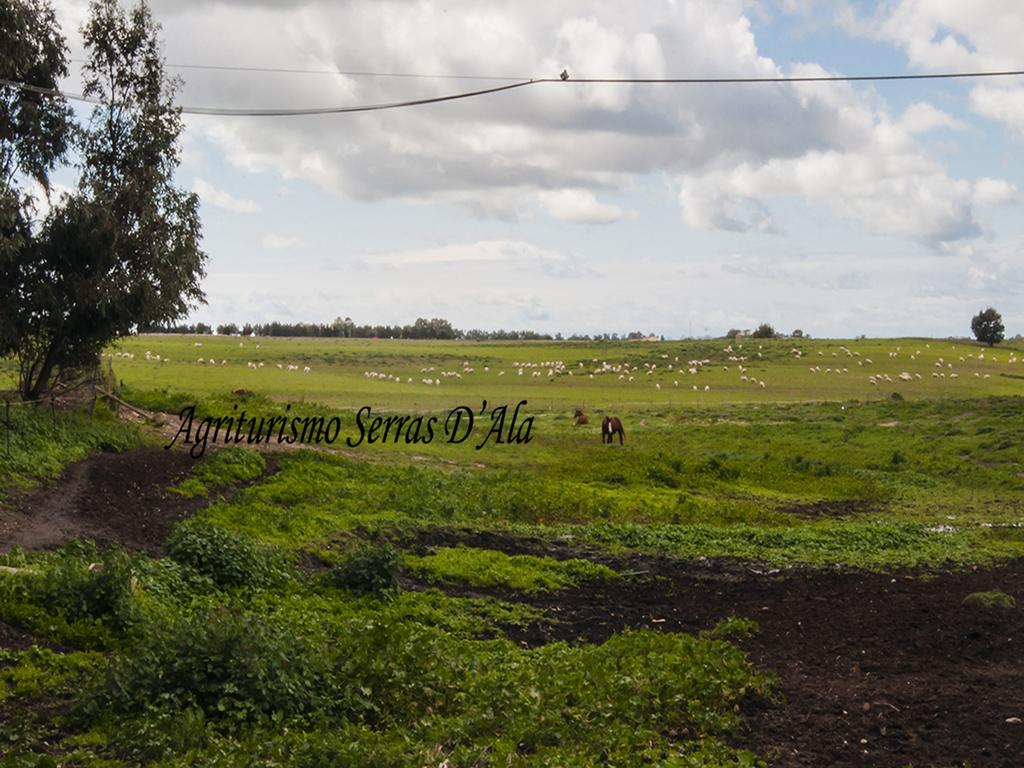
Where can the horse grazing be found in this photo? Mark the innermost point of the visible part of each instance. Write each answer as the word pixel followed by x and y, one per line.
pixel 580 418
pixel 609 427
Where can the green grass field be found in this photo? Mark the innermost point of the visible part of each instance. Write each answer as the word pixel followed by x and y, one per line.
pixel 273 630
pixel 569 374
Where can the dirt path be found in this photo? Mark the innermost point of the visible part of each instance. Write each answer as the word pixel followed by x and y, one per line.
pixel 108 497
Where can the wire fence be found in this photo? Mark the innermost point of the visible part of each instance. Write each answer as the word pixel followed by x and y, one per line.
pixel 100 383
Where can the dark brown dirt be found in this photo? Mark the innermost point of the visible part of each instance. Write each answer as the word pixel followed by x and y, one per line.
pixel 108 497
pixel 16 639
pixel 422 541
pixel 875 669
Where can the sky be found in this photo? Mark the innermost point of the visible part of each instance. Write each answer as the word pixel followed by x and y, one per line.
pixel 884 208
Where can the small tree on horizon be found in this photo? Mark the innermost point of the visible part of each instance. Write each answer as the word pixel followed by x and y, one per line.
pixel 764 331
pixel 987 327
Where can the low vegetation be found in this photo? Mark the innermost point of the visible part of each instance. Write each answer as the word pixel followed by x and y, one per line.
pixel 222 468
pixel 202 671
pixel 487 568
pixel 318 614
pixel 988 601
pixel 36 442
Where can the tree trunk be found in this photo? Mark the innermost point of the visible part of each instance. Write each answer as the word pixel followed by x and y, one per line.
pixel 34 389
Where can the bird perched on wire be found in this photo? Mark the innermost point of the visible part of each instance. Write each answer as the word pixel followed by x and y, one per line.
pixel 565 74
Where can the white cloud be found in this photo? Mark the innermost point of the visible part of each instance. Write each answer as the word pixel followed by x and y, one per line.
pixel 874 175
pixel 515 252
pixel 221 199
pixel 579 206
pixel 284 242
pixel 1005 104
pixel 952 35
pixel 564 145
pixel 993 191
pixel 921 117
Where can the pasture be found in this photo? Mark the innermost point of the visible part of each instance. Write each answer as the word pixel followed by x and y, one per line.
pixel 555 376
pixel 751 558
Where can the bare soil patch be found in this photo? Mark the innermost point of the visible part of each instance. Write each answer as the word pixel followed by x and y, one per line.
pixel 111 498
pixel 876 669
pixel 423 541
pixel 16 639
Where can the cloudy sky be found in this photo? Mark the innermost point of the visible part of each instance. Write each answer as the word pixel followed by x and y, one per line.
pixel 878 208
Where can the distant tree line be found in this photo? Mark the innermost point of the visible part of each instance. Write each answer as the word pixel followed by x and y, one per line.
pixel 764 331
pixel 345 328
pixel 341 328
pixel 195 328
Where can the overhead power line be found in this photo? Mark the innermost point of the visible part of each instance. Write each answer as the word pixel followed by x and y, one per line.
pixel 295 112
pixel 285 112
pixel 346 73
pixel 789 79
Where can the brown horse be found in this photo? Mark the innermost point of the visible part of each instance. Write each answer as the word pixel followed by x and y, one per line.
pixel 580 418
pixel 609 427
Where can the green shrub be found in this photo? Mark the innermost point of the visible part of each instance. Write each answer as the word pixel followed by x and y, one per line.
pixel 227 663
pixel 662 475
pixel 369 569
pixel 78 582
pixel 230 559
pixel 158 735
pixel 82 597
pixel 722 471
